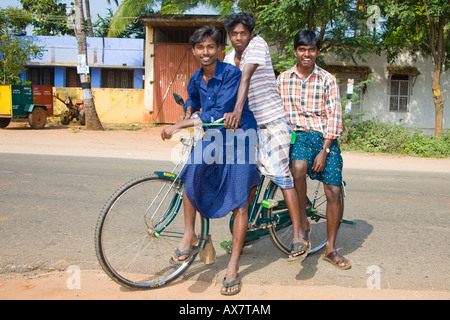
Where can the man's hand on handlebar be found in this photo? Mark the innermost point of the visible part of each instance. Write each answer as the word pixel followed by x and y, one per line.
pixel 232 120
pixel 167 132
pixel 188 113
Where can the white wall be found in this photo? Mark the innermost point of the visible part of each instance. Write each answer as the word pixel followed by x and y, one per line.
pixel 421 112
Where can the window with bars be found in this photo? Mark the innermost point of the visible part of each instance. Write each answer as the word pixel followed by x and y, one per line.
pixel 399 93
pixel 117 78
pixel 72 78
pixel 41 76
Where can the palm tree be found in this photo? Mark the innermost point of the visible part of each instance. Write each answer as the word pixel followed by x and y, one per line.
pixel 88 17
pixel 131 9
pixel 128 11
pixel 92 120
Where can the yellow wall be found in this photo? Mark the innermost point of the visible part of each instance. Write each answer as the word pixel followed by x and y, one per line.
pixel 118 106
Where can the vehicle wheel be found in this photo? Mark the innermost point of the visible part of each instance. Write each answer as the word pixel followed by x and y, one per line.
pixel 65 120
pixel 4 122
pixel 37 118
pixel 81 118
pixel 137 232
pixel 316 203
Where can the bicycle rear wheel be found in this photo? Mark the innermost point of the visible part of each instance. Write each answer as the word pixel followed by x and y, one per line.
pixel 316 203
pixel 138 230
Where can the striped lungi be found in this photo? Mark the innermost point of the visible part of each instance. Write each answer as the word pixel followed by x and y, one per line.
pixel 272 157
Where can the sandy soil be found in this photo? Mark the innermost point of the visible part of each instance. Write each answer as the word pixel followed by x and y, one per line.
pixel 146 144
pixel 95 285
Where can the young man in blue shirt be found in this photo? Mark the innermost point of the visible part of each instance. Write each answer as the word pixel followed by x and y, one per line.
pixel 215 189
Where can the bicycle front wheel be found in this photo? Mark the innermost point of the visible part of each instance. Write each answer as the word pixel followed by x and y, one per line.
pixel 316 203
pixel 138 230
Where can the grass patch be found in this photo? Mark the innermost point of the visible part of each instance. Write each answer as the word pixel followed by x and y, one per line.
pixel 376 136
pixel 129 127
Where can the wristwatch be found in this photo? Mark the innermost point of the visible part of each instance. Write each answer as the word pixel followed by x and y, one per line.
pixel 327 150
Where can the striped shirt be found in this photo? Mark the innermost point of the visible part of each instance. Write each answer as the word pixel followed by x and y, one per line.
pixel 263 98
pixel 312 104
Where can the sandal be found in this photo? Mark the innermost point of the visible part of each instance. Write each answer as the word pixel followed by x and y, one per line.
pixel 300 247
pixel 232 283
pixel 188 252
pixel 336 260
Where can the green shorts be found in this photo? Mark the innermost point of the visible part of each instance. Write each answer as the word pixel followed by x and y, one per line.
pixel 306 147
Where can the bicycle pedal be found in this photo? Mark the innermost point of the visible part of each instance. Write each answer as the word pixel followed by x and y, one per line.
pixel 269 203
pixel 226 245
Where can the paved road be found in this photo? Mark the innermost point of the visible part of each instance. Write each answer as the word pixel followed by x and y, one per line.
pixel 49 207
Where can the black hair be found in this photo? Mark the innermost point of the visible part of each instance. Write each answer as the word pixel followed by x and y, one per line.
pixel 204 32
pixel 246 18
pixel 306 38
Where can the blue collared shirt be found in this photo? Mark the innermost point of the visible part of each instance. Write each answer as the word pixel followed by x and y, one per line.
pixel 218 96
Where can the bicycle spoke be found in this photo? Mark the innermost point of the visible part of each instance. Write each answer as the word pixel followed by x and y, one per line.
pixel 128 250
pixel 282 235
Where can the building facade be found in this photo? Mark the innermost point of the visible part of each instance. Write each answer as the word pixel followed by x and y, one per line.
pixel 398 93
pixel 113 62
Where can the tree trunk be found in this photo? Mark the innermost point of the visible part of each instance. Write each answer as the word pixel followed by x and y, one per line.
pixel 436 43
pixel 438 102
pixel 92 120
pixel 88 17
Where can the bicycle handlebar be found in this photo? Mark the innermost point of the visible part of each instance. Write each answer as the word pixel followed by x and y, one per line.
pixel 219 122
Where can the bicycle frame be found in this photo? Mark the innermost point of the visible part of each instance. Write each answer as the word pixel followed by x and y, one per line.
pixel 260 220
pixel 258 213
pixel 260 216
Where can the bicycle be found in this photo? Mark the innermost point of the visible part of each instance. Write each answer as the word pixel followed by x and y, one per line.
pixel 138 229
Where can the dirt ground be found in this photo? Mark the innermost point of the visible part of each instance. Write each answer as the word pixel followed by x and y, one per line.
pixel 146 144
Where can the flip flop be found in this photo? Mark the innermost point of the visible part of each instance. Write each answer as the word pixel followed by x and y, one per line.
pixel 297 248
pixel 301 247
pixel 232 283
pixel 188 252
pixel 336 259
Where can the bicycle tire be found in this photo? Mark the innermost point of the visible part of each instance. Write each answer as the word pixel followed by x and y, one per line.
pixel 127 249
pixel 282 231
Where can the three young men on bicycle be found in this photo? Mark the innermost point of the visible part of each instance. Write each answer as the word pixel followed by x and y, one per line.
pixel 315 151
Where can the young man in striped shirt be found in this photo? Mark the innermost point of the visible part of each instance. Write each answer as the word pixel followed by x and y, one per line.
pixel 251 54
pixel 311 99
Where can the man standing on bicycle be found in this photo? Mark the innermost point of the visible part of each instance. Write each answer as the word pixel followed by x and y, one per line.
pixel 311 99
pixel 251 54
pixel 215 189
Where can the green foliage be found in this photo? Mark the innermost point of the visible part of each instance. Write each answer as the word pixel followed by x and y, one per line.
pixel 50 17
pixel 422 27
pixel 377 136
pixel 15 52
pixel 135 30
pixel 428 146
pixel 127 13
